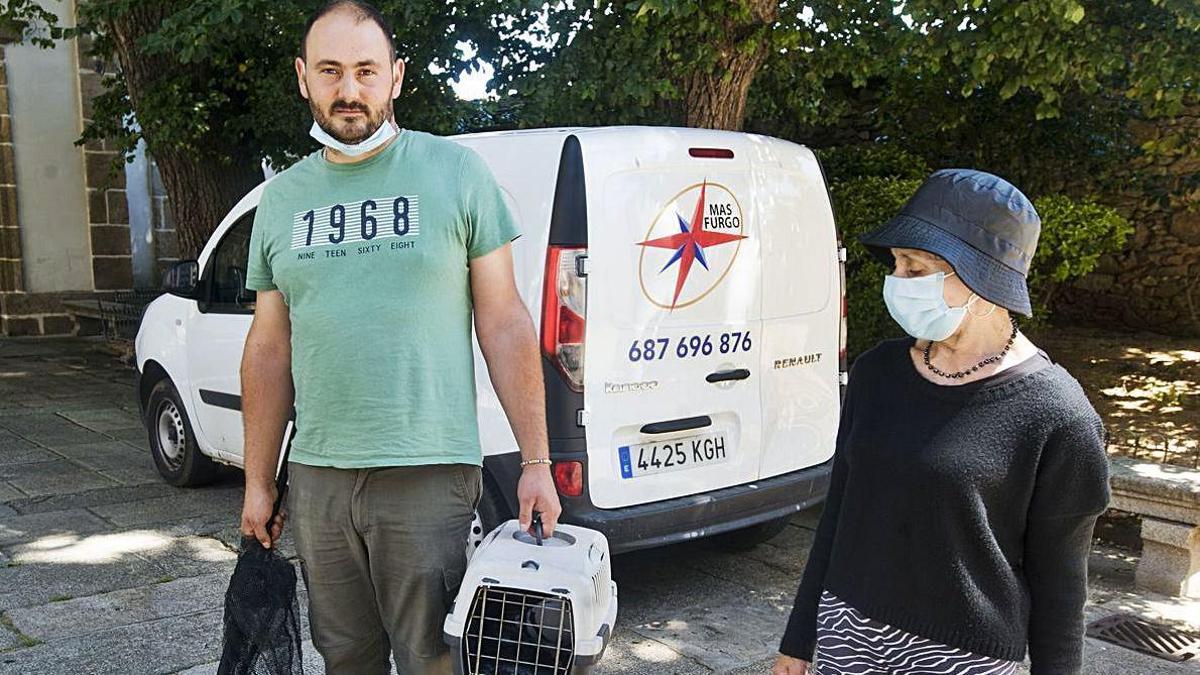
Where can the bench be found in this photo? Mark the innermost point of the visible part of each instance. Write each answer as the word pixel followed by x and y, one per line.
pixel 1168 499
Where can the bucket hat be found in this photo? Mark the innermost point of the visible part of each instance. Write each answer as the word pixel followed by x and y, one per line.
pixel 979 223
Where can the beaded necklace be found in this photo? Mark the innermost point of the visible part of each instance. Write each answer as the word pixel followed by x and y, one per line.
pixel 963 373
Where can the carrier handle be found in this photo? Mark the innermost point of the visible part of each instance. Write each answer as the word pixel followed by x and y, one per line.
pixel 538 534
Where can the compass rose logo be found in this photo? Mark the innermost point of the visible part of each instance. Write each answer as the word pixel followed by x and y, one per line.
pixel 680 268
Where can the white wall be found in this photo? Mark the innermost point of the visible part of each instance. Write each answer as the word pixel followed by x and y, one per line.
pixel 43 99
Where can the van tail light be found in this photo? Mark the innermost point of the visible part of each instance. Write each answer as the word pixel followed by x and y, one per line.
pixel 843 333
pixel 564 311
pixel 568 478
pixel 711 153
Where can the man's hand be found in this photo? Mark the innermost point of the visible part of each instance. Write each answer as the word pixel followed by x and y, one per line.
pixel 786 665
pixel 536 492
pixel 256 510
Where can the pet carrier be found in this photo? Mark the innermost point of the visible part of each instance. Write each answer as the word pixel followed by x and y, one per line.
pixel 529 606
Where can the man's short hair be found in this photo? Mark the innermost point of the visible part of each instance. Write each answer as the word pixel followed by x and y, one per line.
pixel 362 12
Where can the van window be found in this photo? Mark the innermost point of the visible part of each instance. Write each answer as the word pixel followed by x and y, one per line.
pixel 228 294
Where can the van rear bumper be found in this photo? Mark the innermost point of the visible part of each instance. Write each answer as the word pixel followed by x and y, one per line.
pixel 703 515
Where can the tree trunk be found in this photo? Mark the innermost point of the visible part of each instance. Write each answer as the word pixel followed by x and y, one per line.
pixel 201 193
pixel 716 99
pixel 201 187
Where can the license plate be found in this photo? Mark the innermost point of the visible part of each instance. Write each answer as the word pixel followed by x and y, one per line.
pixel 673 455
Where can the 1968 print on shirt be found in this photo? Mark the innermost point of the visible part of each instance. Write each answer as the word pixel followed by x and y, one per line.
pixel 397 218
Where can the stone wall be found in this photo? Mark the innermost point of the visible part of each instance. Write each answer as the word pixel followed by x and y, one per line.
pixel 108 210
pixel 11 276
pixel 25 313
pixel 1154 284
pixel 166 246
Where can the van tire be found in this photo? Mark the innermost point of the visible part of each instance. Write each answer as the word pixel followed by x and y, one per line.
pixel 750 537
pixel 172 440
pixel 493 510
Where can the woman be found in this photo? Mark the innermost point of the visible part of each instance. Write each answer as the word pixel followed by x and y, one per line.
pixel 969 468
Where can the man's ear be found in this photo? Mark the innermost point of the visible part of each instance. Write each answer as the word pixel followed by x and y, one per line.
pixel 398 77
pixel 300 68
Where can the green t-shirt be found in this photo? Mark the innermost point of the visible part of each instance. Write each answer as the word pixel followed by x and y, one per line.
pixel 371 259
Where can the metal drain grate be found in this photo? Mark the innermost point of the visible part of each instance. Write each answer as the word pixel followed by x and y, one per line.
pixel 1154 639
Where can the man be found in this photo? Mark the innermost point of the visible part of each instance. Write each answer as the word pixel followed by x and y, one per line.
pixel 371 256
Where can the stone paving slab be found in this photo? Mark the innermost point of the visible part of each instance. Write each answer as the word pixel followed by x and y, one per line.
pixel 116 460
pixel 9 639
pixel 182 505
pixel 21 451
pixel 52 478
pixel 9 493
pixel 95 613
pixel 163 646
pixel 30 584
pixel 17 450
pixel 192 556
pixel 138 438
pixel 104 419
pixel 87 498
pixel 311 660
pixel 24 529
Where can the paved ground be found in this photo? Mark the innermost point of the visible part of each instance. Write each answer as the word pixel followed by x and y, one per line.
pixel 106 569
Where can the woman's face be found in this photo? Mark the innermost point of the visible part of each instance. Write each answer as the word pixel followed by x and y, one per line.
pixel 911 262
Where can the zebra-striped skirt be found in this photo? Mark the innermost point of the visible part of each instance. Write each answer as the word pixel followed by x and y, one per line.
pixel 850 643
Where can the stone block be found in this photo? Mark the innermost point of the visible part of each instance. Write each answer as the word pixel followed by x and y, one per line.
pixel 8 206
pixel 99 164
pixel 1096 282
pixel 111 240
pixel 118 207
pixel 10 242
pixel 33 303
pixel 1170 562
pixel 166 244
pixel 112 273
pixel 18 327
pixel 58 324
pixel 1186 226
pixel 91 85
pixel 97 207
pixel 8 169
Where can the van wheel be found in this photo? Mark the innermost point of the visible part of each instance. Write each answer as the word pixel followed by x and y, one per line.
pixel 493 510
pixel 172 442
pixel 749 537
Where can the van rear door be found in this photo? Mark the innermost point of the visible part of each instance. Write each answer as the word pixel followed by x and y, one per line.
pixel 802 306
pixel 674 301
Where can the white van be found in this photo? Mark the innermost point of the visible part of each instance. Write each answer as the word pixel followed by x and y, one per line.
pixel 690 301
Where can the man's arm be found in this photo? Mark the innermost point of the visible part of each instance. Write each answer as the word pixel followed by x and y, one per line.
pixel 510 347
pixel 267 399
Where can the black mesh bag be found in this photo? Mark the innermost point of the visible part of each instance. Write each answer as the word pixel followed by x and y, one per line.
pixel 262 615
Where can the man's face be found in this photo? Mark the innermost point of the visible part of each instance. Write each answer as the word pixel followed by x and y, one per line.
pixel 347 76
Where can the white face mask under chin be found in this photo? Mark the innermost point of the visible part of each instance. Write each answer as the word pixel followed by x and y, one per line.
pixel 381 136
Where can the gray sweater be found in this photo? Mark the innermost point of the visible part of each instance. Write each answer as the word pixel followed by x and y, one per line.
pixel 962 514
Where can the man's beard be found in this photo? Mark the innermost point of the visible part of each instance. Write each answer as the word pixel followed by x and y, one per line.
pixel 354 130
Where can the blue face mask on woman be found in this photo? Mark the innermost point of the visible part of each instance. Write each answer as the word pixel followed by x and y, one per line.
pixel 918 304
